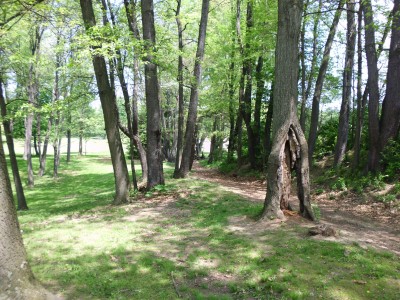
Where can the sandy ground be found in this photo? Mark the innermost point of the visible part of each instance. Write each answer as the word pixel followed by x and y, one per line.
pixel 366 225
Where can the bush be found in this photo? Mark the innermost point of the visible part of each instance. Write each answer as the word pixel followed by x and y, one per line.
pixel 391 159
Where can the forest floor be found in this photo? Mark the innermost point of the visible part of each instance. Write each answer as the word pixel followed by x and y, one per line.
pixel 358 219
pixel 194 238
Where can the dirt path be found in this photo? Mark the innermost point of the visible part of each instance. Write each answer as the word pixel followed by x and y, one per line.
pixel 356 223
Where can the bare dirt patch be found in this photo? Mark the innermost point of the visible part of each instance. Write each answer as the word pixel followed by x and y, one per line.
pixel 366 223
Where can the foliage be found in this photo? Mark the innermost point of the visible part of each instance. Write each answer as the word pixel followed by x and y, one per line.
pixel 327 133
pixel 391 159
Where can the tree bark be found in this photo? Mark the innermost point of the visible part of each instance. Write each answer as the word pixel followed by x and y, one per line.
pixel 305 89
pixel 131 8
pixel 21 201
pixel 289 144
pixel 312 138
pixel 16 277
pixel 180 91
pixel 109 107
pixel 154 152
pixel 390 121
pixel 344 116
pixel 194 94
pixel 373 87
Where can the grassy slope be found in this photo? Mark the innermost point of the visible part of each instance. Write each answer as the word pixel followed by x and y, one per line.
pixel 80 245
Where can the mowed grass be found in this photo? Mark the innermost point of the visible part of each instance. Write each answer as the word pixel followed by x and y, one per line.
pixel 189 239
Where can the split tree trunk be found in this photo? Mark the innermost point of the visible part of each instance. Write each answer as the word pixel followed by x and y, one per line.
pixel 194 94
pixel 289 147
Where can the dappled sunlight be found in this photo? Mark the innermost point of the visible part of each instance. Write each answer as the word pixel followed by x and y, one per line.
pixel 190 236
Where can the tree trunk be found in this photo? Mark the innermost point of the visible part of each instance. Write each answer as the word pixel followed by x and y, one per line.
pixel 154 151
pixel 390 121
pixel 289 144
pixel 305 89
pixel 11 150
pixel 180 91
pixel 109 107
pixel 344 116
pixel 68 144
pixel 257 107
pixel 194 94
pixel 268 124
pixel 80 145
pixel 131 8
pixel 360 108
pixel 373 87
pixel 16 277
pixel 312 138
pixel 43 156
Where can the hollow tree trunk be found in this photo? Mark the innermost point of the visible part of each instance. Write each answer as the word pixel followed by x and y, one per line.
pixel 344 116
pixel 287 133
pixel 21 201
pixel 16 277
pixel 312 138
pixel 109 107
pixel 194 94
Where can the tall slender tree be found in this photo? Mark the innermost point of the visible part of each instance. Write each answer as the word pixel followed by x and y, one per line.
pixel 109 107
pixel 312 138
pixel 194 93
pixel 344 116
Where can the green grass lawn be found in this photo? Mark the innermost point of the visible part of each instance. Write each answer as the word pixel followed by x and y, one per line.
pixel 183 240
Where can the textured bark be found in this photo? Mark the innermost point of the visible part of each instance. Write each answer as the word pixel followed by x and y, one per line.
pixel 373 87
pixel 180 91
pixel 131 10
pixel 194 94
pixel 43 155
pixel 360 108
pixel 154 152
pixel 257 107
pixel 16 278
pixel 21 201
pixel 109 107
pixel 390 120
pixel 285 127
pixel 344 116
pixel 363 99
pixel 312 138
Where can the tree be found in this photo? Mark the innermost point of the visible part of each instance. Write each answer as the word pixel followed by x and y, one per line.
pixel 343 130
pixel 373 87
pixel 109 107
pixel 22 205
pixel 289 146
pixel 312 138
pixel 390 121
pixel 16 277
pixel 194 93
pixel 154 155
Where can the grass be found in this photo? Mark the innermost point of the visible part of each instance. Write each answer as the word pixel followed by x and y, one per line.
pixel 189 239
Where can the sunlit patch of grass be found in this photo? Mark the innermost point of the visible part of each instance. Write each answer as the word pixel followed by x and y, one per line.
pixel 80 244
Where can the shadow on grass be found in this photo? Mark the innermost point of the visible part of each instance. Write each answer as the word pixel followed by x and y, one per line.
pixel 184 243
